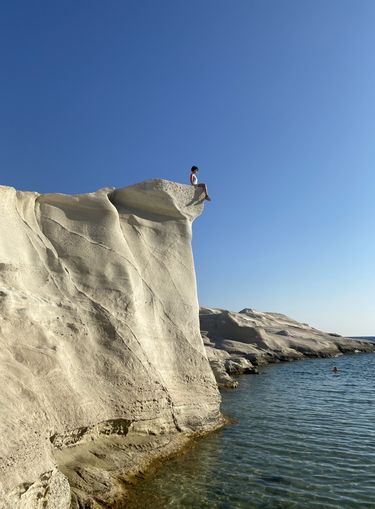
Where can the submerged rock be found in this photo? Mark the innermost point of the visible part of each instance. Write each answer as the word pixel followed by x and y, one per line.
pixel 102 365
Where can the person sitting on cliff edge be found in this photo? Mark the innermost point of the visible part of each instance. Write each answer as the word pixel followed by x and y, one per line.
pixel 194 182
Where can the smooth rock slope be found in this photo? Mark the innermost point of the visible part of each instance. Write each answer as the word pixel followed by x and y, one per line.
pixel 239 342
pixel 102 365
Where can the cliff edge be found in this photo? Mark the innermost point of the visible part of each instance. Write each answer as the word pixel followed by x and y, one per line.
pixel 102 364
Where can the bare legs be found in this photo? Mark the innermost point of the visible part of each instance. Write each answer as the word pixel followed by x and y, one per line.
pixel 204 187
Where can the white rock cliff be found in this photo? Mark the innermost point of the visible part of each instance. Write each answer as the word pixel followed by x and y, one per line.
pixel 240 342
pixel 101 352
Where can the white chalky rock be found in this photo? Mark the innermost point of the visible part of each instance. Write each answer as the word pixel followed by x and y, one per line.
pixel 99 326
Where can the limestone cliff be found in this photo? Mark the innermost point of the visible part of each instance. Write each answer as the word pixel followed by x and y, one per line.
pixel 101 353
pixel 239 342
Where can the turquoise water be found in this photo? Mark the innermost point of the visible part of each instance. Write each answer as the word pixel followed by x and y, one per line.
pixel 305 438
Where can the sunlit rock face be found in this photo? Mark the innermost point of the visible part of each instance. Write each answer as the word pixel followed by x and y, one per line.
pixel 237 342
pixel 99 330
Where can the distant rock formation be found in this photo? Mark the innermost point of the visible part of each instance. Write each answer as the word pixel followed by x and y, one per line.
pixel 239 342
pixel 102 366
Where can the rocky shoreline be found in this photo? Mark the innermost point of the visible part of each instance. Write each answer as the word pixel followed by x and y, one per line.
pixel 239 342
pixel 103 370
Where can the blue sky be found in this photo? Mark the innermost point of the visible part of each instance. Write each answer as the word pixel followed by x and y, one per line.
pixel 274 101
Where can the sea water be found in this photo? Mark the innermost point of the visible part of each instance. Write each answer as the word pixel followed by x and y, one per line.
pixel 304 438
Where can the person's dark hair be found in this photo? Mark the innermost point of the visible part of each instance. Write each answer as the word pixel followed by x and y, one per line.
pixel 194 168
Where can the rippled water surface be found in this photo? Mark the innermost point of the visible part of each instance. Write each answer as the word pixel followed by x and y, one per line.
pixel 305 438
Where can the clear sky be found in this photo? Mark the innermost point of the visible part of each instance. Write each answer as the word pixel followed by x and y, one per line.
pixel 274 100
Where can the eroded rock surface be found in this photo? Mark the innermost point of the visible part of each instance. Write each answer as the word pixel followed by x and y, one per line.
pixel 254 338
pixel 101 358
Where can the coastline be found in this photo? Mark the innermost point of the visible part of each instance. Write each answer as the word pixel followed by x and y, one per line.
pixel 302 439
pixel 121 462
pixel 105 371
pixel 150 467
pixel 240 342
